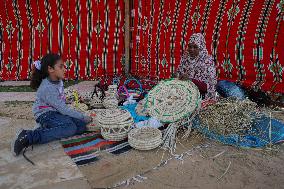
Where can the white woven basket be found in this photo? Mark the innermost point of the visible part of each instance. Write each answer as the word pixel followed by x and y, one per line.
pixel 96 103
pixel 145 138
pixel 93 126
pixel 113 116
pixel 115 124
pixel 115 133
pixel 110 103
pixel 112 88
pixel 80 107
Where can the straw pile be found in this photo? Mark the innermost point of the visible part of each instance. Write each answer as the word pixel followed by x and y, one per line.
pixel 228 116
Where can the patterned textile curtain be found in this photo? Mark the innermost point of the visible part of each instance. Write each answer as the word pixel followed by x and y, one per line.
pixel 245 37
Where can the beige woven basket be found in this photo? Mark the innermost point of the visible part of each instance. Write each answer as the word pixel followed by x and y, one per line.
pixel 107 116
pixel 93 126
pixel 145 138
pixel 80 107
pixel 172 100
pixel 110 103
pixel 96 103
pixel 111 100
pixel 115 133
pixel 112 88
pixel 115 124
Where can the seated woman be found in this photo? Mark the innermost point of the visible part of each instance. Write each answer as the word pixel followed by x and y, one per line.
pixel 198 66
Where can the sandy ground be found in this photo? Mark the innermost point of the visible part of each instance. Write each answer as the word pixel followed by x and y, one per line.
pixel 212 165
pixel 15 83
pixel 53 169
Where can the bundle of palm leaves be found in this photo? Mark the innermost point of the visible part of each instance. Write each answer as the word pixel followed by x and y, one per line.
pixel 228 116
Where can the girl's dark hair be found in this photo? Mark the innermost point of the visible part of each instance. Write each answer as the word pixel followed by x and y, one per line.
pixel 39 75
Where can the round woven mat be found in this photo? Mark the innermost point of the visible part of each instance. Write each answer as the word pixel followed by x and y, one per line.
pixel 172 100
pixel 140 108
pixel 145 138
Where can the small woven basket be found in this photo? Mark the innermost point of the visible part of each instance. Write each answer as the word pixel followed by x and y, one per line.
pixel 110 102
pixel 112 88
pixel 145 138
pixel 93 126
pixel 80 106
pixel 96 103
pixel 115 124
pixel 115 133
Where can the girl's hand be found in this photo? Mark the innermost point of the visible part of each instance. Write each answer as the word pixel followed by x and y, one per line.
pixel 88 119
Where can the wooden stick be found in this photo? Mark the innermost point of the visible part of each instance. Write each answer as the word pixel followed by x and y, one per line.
pixel 225 171
pixel 127 37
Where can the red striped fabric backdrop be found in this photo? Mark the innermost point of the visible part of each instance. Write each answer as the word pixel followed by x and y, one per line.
pixel 88 34
pixel 245 38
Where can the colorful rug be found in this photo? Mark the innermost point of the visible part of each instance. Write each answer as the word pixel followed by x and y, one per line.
pixel 88 147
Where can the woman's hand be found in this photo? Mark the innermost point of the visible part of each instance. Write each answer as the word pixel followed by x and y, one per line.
pixel 183 77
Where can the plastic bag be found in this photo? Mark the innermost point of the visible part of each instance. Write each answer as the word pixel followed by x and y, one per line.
pixel 130 100
pixel 152 122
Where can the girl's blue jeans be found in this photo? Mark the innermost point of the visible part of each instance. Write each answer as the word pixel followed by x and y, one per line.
pixel 55 126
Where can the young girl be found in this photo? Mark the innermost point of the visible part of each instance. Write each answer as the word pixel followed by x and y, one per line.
pixel 57 120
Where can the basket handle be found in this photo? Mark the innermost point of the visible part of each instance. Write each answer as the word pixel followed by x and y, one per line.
pixel 95 91
pixel 123 88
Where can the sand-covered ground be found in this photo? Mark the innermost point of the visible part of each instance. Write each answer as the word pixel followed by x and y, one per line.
pixel 204 164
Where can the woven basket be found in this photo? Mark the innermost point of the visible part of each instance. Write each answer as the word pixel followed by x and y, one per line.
pixel 93 126
pixel 80 106
pixel 117 133
pixel 112 91
pixel 115 124
pixel 145 138
pixel 85 96
pixel 112 88
pixel 96 103
pixel 112 116
pixel 110 102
